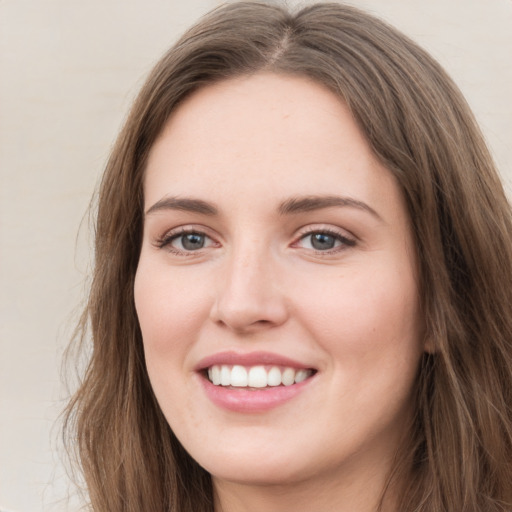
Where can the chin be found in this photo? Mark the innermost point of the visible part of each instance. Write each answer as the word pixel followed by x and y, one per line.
pixel 273 464
pixel 259 474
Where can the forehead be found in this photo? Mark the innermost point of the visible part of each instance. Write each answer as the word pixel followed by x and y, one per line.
pixel 265 133
pixel 266 109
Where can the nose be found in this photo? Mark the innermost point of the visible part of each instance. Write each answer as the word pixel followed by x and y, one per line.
pixel 249 297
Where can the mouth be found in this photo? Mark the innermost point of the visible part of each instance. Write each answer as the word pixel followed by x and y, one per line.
pixel 256 377
pixel 254 382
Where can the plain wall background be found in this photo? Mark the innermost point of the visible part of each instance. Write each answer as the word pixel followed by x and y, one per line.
pixel 68 72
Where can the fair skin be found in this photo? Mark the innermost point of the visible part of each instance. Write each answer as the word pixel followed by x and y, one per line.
pixel 273 238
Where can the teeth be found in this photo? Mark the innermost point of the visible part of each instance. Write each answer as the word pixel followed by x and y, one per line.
pixel 301 375
pixel 256 376
pixel 239 377
pixel 215 378
pixel 225 376
pixel 288 377
pixel 274 376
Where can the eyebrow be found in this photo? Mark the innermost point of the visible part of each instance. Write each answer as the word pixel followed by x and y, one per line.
pixel 291 206
pixel 310 203
pixel 185 204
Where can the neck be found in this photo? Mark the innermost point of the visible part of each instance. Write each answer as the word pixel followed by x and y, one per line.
pixel 339 493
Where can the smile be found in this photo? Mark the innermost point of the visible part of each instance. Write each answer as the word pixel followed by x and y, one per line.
pixel 254 382
pixel 258 377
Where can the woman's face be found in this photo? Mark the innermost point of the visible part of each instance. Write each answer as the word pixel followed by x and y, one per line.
pixel 277 261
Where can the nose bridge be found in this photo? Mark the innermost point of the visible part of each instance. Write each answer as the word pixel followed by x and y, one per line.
pixel 248 294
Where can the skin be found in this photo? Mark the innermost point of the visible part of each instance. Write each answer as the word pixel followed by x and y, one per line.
pixel 246 146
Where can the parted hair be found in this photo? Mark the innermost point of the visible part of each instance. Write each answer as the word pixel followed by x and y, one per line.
pixel 458 457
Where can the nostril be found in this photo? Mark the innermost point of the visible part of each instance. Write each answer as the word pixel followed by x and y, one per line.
pixel 253 316
pixel 245 301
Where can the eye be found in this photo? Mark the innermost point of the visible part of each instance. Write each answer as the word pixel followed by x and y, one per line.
pixel 322 241
pixel 190 241
pixel 185 241
pixel 325 241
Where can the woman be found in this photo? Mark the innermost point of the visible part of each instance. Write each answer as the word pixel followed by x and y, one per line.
pixel 301 298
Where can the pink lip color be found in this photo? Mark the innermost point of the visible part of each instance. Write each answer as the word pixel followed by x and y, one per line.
pixel 251 359
pixel 254 400
pixel 245 400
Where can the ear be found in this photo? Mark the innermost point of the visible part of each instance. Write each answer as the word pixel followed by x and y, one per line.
pixel 429 346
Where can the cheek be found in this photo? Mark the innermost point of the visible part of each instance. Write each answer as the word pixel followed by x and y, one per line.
pixel 369 327
pixel 360 316
pixel 169 310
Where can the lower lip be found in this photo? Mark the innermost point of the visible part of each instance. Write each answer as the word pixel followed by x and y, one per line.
pixel 254 400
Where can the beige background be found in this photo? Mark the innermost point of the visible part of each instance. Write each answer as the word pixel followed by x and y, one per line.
pixel 68 71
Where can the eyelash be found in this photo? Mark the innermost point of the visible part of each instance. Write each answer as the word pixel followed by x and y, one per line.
pixel 345 242
pixel 166 241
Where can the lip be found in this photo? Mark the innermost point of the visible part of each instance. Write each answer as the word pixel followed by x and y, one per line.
pixel 252 401
pixel 249 359
pixel 244 400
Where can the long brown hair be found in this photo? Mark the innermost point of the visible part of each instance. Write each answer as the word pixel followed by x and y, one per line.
pixel 459 457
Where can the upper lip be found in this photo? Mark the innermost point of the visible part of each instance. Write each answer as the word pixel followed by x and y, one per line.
pixel 249 359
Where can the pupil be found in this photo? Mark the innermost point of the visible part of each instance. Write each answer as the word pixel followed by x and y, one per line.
pixel 321 241
pixel 192 241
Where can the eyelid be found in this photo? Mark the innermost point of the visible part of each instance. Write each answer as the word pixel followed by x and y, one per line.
pixel 164 241
pixel 346 238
